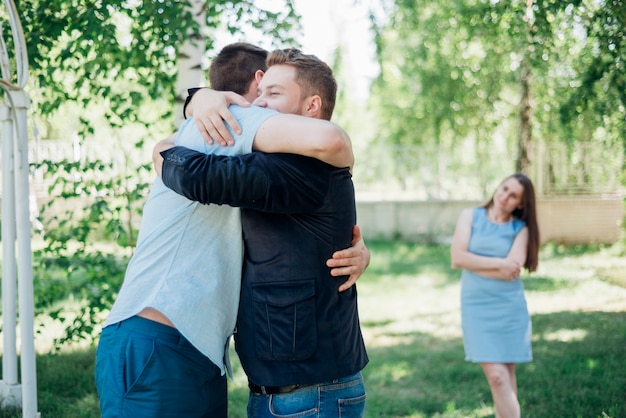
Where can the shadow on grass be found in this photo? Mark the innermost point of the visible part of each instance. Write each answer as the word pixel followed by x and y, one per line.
pixel 408 259
pixel 579 364
pixel 402 258
pixel 237 401
pixel 547 284
pixel 556 251
pixel 578 371
pixel 65 386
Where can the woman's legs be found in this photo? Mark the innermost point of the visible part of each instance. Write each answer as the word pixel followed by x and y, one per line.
pixel 503 384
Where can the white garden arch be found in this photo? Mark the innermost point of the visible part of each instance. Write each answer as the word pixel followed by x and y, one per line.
pixel 17 271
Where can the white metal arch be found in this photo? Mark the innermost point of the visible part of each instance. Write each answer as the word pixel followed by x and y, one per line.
pixel 17 271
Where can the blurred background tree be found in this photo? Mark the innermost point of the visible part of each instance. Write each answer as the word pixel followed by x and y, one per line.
pixel 487 87
pixel 466 93
pixel 108 78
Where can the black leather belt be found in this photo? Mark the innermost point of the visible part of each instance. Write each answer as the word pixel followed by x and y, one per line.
pixel 272 390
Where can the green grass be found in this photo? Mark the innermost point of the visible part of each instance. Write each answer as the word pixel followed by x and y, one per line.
pixel 409 305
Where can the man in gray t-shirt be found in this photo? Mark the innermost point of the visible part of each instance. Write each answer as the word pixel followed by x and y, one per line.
pixel 163 349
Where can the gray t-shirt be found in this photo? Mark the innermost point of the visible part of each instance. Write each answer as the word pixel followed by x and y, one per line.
pixel 188 259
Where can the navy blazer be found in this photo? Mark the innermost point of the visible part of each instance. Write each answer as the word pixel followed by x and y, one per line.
pixel 293 327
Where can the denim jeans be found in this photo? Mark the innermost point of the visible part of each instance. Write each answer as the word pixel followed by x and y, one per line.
pixel 339 398
pixel 145 369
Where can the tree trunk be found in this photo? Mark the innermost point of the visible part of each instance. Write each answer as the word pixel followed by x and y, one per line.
pixel 525 131
pixel 190 53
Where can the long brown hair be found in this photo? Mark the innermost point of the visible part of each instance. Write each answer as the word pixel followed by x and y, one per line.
pixel 528 214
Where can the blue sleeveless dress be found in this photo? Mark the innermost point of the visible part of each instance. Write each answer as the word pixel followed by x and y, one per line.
pixel 494 316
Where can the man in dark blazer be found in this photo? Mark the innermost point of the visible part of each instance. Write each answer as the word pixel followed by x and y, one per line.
pixel 298 338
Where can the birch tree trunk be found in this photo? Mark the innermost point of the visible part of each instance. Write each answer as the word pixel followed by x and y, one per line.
pixel 525 130
pixel 190 53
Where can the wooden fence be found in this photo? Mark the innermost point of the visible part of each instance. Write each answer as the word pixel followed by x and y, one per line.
pixel 571 220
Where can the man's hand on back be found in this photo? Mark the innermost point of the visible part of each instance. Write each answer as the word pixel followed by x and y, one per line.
pixel 350 262
pixel 209 109
pixel 157 159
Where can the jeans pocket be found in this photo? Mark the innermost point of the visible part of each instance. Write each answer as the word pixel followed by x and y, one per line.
pixel 139 359
pixel 284 320
pixel 294 405
pixel 352 407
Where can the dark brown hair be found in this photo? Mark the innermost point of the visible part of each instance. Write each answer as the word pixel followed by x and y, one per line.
pixel 528 214
pixel 234 67
pixel 313 76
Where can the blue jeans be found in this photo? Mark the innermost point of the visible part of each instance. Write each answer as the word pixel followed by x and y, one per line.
pixel 341 398
pixel 149 370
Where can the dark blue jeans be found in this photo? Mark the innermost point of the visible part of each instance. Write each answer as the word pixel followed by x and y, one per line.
pixel 147 369
pixel 340 398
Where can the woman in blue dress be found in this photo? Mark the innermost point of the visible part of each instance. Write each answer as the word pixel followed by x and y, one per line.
pixel 492 244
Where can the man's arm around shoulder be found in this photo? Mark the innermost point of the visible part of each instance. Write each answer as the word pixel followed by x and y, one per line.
pixel 311 137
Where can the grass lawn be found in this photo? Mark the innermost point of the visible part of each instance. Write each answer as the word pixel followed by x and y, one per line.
pixel 409 306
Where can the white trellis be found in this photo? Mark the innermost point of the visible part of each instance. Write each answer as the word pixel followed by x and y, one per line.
pixel 17 270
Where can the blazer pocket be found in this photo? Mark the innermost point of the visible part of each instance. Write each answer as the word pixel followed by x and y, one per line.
pixel 284 320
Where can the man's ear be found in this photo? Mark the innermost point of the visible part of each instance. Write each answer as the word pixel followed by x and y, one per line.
pixel 258 75
pixel 253 89
pixel 313 106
